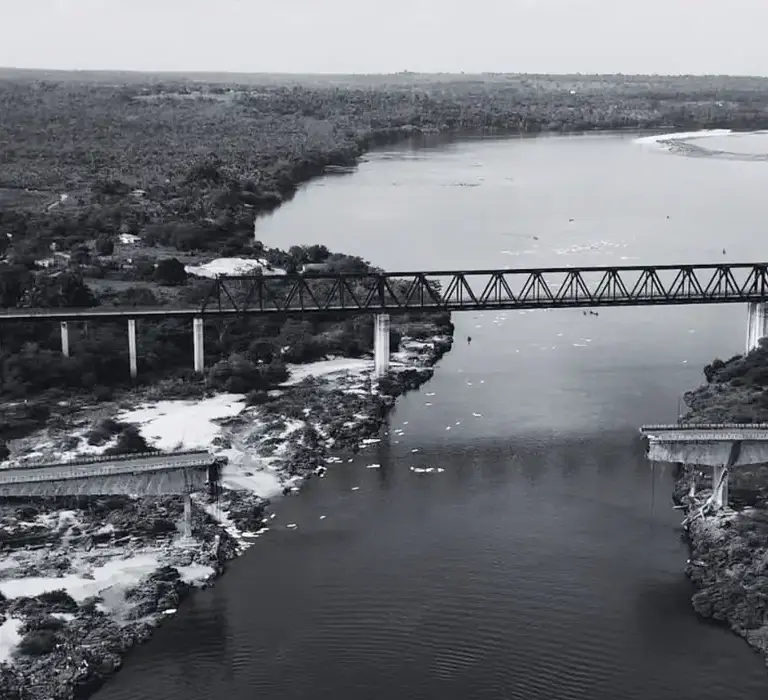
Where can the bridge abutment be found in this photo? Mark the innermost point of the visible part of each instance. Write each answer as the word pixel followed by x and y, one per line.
pixel 198 344
pixel 65 338
pixel 757 323
pixel 132 356
pixel 380 345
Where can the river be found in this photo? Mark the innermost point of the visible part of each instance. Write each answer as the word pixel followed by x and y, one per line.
pixel 545 562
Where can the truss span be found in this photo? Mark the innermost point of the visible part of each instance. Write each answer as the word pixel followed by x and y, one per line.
pixel 402 292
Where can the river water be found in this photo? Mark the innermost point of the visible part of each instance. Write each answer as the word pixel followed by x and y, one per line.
pixel 545 563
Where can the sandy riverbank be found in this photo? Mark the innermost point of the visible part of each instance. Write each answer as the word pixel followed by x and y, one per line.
pixel 728 564
pixel 84 580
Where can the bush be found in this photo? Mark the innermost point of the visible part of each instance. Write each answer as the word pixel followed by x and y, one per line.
pixel 105 245
pixel 257 397
pixel 170 272
pixel 130 442
pixel 103 430
pixel 239 375
pixel 38 643
pixel 45 622
pixel 59 599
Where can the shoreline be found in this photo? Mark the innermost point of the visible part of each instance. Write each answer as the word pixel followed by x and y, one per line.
pixel 122 561
pixel 728 564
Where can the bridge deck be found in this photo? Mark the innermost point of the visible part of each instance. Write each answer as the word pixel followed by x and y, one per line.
pixel 64 471
pixel 713 432
pixel 713 444
pixel 452 290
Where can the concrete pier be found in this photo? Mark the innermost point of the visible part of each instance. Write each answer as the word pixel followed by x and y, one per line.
pixel 757 324
pixel 380 345
pixel 132 347
pixel 720 493
pixel 198 344
pixel 65 338
pixel 187 515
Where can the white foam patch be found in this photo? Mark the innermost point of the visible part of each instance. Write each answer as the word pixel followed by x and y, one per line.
pixel 232 266
pixel 661 140
pixel 170 425
pixel 325 368
pixel 195 574
pixel 117 573
pixel 9 638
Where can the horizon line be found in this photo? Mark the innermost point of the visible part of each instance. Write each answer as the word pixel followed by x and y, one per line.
pixel 402 73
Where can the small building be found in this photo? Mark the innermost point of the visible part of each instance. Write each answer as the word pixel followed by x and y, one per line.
pixel 129 239
pixel 314 267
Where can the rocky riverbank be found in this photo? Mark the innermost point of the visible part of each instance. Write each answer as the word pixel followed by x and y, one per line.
pixel 729 548
pixel 83 580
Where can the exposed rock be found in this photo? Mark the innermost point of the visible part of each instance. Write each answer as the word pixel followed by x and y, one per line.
pixel 68 650
pixel 729 549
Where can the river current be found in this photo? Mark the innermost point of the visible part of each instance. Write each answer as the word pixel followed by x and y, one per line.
pixel 545 562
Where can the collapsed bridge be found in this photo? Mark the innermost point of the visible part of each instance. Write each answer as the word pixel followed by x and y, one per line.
pixel 722 446
pixel 145 474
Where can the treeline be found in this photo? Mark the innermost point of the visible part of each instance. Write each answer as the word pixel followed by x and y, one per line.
pixel 189 165
pixel 243 355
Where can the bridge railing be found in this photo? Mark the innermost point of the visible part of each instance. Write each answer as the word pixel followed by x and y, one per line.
pixel 10 476
pixel 104 459
pixel 705 426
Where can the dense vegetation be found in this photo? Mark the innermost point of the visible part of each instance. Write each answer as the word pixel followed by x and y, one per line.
pixel 736 390
pixel 111 184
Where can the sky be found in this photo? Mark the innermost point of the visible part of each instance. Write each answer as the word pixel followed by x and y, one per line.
pixel 386 36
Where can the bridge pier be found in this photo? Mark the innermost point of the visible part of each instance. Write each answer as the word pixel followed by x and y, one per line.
pixel 187 515
pixel 132 357
pixel 198 344
pixel 757 323
pixel 720 490
pixel 65 338
pixel 380 345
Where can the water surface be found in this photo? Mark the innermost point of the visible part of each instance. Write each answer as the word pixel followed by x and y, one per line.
pixel 545 563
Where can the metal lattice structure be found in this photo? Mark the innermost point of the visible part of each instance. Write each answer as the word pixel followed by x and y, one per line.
pixel 490 289
pixel 466 290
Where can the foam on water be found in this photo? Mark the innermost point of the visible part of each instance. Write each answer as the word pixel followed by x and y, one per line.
pixel 663 140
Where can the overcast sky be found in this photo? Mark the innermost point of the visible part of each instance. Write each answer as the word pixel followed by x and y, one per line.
pixel 363 36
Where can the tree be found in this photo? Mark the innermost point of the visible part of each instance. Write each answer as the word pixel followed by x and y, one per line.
pixel 170 272
pixel 58 290
pixel 105 245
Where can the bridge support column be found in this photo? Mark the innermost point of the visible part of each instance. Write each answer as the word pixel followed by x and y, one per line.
pixel 380 345
pixel 720 493
pixel 187 515
pixel 757 323
pixel 132 357
pixel 65 338
pixel 198 344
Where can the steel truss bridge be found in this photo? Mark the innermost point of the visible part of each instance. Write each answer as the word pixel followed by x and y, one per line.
pixel 462 290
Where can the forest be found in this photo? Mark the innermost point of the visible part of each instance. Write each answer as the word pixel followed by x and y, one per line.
pixel 111 183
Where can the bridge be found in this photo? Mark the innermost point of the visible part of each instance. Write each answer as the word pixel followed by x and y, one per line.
pixel 722 446
pixel 385 293
pixel 148 474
